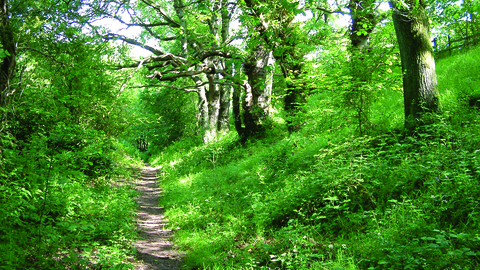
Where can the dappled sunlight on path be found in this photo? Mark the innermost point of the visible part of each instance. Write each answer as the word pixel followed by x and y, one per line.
pixel 155 248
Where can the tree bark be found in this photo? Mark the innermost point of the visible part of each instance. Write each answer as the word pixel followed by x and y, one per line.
pixel 290 58
pixel 224 111
pixel 363 22
pixel 8 45
pixel 257 92
pixel 295 97
pixel 237 117
pixel 419 77
pixel 214 98
pixel 225 90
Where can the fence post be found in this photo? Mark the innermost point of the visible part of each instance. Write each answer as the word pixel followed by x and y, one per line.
pixel 449 50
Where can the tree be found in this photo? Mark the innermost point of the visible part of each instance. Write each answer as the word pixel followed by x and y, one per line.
pixel 274 22
pixel 454 20
pixel 194 37
pixel 289 55
pixel 357 94
pixel 419 77
pixel 7 57
pixel 365 17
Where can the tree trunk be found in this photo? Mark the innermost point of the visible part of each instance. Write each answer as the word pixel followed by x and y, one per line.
pixel 224 111
pixel 295 97
pixel 202 114
pixel 8 46
pixel 358 97
pixel 290 59
pixel 214 98
pixel 236 101
pixel 257 92
pixel 363 22
pixel 419 77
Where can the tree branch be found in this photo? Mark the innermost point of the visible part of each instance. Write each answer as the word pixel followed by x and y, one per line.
pixel 132 42
pixel 170 22
pixel 41 53
pixel 185 89
pixel 177 74
pixel 337 11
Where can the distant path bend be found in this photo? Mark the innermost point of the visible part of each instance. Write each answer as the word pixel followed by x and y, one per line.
pixel 154 250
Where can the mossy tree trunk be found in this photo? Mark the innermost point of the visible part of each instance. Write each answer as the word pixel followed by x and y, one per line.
pixel 290 58
pixel 257 92
pixel 419 77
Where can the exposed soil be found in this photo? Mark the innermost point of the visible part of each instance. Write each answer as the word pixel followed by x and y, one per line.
pixel 155 250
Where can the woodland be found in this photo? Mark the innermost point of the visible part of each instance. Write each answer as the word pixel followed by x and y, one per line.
pixel 287 134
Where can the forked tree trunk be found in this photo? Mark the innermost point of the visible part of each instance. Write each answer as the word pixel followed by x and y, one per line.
pixel 419 77
pixel 214 98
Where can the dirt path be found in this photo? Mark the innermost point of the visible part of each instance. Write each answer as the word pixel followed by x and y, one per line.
pixel 154 249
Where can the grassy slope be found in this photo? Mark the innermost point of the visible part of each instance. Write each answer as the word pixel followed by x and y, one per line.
pixel 323 198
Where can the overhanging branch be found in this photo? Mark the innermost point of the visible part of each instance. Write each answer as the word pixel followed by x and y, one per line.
pixel 133 42
pixel 185 89
pixel 170 22
pixel 178 74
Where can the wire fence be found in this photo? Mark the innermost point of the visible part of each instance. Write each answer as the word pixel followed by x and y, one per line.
pixel 445 46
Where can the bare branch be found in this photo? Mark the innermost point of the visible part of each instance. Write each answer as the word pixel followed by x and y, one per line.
pixel 41 53
pixel 205 54
pixel 185 89
pixel 170 22
pixel 133 42
pixel 337 11
pixel 167 59
pixel 190 88
pixel 125 84
pixel 231 78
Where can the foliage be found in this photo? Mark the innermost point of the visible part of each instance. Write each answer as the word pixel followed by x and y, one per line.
pixel 349 189
pixel 169 117
pixel 60 206
pixel 62 202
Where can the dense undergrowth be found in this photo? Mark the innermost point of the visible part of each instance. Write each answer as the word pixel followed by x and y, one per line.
pixel 66 201
pixel 326 198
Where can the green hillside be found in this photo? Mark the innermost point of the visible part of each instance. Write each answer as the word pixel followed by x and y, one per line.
pixel 326 199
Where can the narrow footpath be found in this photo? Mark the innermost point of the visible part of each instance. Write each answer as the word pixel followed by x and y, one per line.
pixel 155 250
